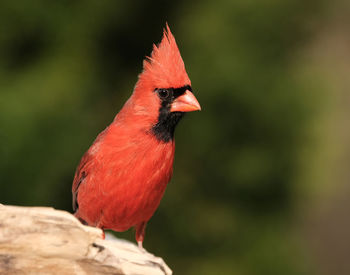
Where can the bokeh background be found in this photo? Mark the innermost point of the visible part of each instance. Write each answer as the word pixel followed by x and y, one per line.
pixel 261 179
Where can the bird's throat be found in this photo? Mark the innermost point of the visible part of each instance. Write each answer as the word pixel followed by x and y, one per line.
pixel 165 127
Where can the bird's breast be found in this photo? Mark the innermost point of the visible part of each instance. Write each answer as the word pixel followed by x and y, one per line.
pixel 127 183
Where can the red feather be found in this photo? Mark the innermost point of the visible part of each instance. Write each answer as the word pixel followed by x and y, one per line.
pixel 122 177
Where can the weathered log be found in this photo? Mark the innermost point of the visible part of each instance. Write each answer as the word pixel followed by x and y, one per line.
pixel 42 240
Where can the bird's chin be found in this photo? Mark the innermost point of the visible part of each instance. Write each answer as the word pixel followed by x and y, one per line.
pixel 165 127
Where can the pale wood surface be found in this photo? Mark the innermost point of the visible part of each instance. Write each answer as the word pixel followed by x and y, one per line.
pixel 42 240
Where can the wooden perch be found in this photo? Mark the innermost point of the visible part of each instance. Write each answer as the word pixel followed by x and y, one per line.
pixel 42 240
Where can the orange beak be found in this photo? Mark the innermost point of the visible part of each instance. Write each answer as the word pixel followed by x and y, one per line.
pixel 185 103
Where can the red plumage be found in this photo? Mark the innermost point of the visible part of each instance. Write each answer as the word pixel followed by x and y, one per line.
pixel 122 177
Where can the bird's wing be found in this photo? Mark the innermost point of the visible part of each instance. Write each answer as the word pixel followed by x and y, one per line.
pixel 84 167
pixel 79 177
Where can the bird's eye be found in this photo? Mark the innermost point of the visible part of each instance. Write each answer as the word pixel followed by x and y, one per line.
pixel 163 93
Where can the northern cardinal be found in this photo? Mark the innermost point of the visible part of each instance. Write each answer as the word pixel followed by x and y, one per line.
pixel 122 177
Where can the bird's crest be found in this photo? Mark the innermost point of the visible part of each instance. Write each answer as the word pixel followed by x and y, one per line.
pixel 165 67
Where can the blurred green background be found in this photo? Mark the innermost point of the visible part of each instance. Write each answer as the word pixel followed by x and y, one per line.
pixel 261 174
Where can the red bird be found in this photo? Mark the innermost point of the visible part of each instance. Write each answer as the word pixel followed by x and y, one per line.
pixel 122 177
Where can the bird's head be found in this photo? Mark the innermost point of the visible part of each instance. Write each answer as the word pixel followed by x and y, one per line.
pixel 163 91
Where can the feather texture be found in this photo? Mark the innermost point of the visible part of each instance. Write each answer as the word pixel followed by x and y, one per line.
pixel 122 177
